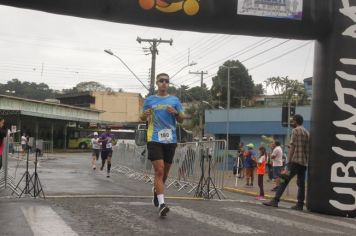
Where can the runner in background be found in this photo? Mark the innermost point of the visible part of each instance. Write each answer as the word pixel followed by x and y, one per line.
pixel 162 112
pixel 96 149
pixel 106 139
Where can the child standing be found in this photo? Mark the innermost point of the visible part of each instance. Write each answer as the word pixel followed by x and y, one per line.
pixel 261 170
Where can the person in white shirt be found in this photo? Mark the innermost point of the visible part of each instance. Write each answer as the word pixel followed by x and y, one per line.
pixel 23 143
pixel 96 149
pixel 277 162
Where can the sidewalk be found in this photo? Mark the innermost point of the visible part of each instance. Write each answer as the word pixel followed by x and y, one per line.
pixel 237 185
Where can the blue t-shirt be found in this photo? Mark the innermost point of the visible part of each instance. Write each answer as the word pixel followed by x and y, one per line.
pixel 161 123
pixel 248 160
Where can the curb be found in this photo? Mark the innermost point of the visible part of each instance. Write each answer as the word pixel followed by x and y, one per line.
pixel 255 194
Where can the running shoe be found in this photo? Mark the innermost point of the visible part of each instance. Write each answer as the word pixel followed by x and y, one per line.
pixel 108 175
pixel 155 199
pixel 94 167
pixel 163 210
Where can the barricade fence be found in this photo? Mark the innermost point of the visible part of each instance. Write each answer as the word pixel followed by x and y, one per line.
pixel 190 167
pixel 6 180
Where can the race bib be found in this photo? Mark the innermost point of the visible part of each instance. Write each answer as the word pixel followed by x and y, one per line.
pixel 109 145
pixel 165 135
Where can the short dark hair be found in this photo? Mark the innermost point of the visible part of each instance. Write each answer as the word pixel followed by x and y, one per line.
pixel 298 119
pixel 277 143
pixel 162 74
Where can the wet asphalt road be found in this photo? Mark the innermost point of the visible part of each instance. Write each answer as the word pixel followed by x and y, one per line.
pixel 82 202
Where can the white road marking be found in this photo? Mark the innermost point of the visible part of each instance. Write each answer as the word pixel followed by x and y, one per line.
pixel 320 218
pixel 44 221
pixel 215 221
pixel 134 203
pixel 283 221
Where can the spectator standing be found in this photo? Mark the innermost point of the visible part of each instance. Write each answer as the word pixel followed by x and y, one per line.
pixel 298 158
pixel 23 143
pixel 261 170
pixel 277 163
pixel 269 165
pixel 240 162
pixel 250 159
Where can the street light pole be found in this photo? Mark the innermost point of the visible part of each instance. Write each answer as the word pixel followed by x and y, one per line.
pixel 228 104
pixel 112 54
pixel 201 73
pixel 190 64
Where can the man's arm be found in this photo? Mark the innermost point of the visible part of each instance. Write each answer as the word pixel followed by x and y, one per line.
pixel 145 114
pixel 179 117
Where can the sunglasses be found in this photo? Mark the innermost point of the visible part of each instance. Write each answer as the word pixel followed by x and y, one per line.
pixel 163 81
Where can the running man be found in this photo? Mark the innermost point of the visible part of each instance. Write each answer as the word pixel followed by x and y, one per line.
pixel 96 149
pixel 106 140
pixel 162 111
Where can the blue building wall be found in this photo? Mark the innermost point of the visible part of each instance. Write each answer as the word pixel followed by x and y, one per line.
pixel 251 123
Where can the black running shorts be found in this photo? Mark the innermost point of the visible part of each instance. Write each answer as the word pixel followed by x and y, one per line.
pixel 161 151
pixel 96 153
pixel 105 153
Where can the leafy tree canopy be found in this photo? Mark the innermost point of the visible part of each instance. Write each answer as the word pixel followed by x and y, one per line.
pixel 242 86
pixel 25 89
pixel 289 90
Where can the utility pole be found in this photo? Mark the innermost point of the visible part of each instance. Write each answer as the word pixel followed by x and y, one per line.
pixel 201 73
pixel 153 49
pixel 228 105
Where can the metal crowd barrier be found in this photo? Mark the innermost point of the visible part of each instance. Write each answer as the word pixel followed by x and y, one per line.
pixel 6 180
pixel 190 161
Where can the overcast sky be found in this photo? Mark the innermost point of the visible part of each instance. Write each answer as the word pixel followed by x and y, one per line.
pixel 62 51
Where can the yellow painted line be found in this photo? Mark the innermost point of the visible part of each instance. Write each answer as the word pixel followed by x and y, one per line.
pixel 236 190
pixel 119 196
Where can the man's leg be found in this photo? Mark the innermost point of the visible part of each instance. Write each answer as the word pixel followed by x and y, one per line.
pixel 158 166
pixel 282 187
pixel 93 161
pixel 109 163
pixel 301 185
pixel 167 167
pixel 104 155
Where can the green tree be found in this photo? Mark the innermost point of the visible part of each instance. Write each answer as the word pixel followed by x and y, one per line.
pixel 258 90
pixel 92 86
pixel 28 90
pixel 241 84
pixel 289 90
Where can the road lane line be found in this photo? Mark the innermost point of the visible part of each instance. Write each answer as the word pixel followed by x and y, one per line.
pixel 44 221
pixel 320 218
pixel 214 221
pixel 283 221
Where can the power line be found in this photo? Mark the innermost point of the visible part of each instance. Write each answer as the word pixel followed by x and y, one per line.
pixel 282 55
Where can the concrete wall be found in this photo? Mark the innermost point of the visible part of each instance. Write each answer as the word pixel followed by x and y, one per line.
pixel 118 107
pixel 251 121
